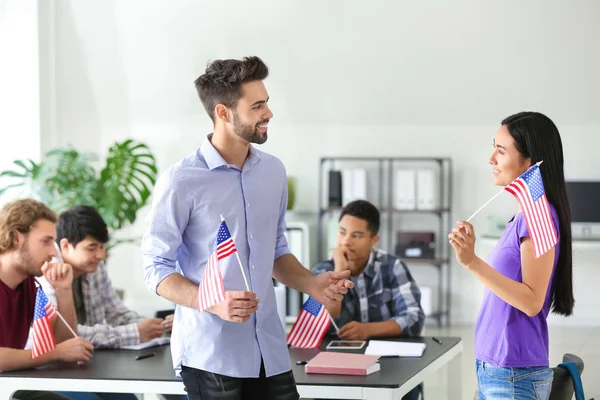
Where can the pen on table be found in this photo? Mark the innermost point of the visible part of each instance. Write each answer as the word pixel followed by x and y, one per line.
pixel 438 341
pixel 301 362
pixel 142 356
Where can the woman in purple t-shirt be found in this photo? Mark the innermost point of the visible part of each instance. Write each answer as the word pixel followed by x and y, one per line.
pixel 511 333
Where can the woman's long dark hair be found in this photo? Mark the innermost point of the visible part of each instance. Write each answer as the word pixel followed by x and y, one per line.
pixel 537 137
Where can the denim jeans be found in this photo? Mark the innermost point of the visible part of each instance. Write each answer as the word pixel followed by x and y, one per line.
pixel 513 383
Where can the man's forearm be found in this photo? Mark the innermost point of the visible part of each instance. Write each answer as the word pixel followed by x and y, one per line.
pixel 178 289
pixel 66 307
pixel 288 270
pixel 334 308
pixel 109 336
pixel 383 329
pixel 14 359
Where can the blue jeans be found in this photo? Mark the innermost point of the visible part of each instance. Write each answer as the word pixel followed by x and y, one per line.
pixel 513 383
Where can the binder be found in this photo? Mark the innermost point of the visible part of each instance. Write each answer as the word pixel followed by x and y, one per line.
pixel 354 185
pixel 347 186
pixel 427 186
pixel 335 189
pixel 405 190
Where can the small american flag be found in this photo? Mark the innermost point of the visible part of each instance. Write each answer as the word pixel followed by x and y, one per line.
pixel 310 327
pixel 529 191
pixel 211 290
pixel 44 313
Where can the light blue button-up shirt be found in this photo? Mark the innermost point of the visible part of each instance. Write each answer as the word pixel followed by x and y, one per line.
pixel 188 199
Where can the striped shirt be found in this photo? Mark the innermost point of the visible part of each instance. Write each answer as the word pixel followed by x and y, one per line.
pixel 385 290
pixel 108 322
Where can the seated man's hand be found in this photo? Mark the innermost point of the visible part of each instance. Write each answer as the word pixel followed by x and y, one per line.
pixel 59 275
pixel 74 350
pixel 340 258
pixel 354 330
pixel 168 322
pixel 238 306
pixel 150 328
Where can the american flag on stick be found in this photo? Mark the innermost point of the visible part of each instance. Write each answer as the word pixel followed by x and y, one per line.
pixel 529 192
pixel 43 336
pixel 310 326
pixel 211 290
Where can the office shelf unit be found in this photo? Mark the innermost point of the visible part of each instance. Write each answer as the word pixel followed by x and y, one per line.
pixel 381 191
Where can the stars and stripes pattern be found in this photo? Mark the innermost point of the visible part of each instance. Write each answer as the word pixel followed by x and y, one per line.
pixel 310 326
pixel 529 192
pixel 43 336
pixel 211 290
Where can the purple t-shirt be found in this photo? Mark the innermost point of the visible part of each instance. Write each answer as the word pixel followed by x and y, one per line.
pixel 504 335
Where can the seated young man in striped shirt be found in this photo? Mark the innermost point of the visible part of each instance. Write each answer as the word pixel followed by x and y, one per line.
pixel 102 317
pixel 385 300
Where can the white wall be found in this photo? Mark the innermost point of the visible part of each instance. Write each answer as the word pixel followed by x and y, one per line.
pixel 19 82
pixel 374 78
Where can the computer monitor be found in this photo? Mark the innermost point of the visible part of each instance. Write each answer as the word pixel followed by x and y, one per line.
pixel 584 197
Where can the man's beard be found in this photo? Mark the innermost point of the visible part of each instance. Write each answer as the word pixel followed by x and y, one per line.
pixel 248 132
pixel 26 262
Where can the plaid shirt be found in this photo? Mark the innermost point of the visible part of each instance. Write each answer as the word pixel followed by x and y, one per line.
pixel 109 323
pixel 384 290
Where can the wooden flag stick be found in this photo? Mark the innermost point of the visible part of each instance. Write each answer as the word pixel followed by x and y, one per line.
pixel 496 195
pixel 65 322
pixel 239 261
pixel 337 330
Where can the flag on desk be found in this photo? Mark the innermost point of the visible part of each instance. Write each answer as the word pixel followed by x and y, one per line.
pixel 211 290
pixel 310 326
pixel 529 191
pixel 43 314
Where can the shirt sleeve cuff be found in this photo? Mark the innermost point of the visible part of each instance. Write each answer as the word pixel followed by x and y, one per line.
pixel 282 251
pixel 158 274
pixel 403 323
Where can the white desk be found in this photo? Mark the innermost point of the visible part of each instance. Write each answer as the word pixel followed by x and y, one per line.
pixel 117 371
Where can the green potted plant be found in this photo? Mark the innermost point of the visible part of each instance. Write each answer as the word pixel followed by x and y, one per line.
pixel 65 178
pixel 291 181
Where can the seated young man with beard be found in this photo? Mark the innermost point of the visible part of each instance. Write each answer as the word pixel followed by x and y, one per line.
pixel 27 234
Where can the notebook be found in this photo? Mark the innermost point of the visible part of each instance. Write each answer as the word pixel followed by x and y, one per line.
pixel 336 363
pixel 152 343
pixel 399 349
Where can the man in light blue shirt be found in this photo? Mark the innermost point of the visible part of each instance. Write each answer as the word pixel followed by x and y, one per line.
pixel 237 348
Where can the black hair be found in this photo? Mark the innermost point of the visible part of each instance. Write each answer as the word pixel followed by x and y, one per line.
pixel 536 137
pixel 78 222
pixel 364 210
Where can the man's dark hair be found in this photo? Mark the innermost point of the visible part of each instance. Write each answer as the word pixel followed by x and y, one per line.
pixel 222 81
pixel 364 210
pixel 78 222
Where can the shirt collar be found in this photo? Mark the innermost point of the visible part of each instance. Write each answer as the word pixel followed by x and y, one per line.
pixel 214 160
pixel 372 267
pixel 211 155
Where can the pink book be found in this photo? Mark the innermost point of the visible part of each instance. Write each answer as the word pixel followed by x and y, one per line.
pixel 331 362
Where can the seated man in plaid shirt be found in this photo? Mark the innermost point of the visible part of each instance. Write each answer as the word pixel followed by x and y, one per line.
pixel 385 300
pixel 102 317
